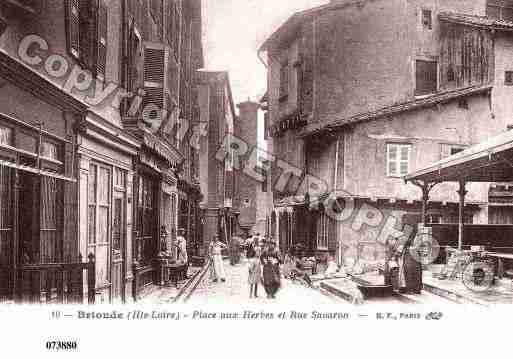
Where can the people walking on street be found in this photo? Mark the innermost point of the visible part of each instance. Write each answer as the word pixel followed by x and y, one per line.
pixel 254 271
pixel 271 270
pixel 215 252
pixel 182 250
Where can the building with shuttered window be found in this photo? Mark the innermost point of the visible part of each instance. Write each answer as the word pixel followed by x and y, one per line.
pixel 95 118
pixel 361 93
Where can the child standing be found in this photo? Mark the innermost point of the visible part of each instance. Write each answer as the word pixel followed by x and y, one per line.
pixel 254 271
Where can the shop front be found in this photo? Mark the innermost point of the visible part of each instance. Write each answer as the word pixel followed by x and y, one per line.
pixel 155 210
pixel 38 188
pixel 105 156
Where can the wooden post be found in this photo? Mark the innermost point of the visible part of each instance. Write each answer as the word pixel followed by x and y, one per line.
pixel 190 240
pixel 135 286
pixel 17 275
pixel 425 199
pixel 462 193
pixel 91 279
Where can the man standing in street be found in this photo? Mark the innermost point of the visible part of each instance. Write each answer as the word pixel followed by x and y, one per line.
pixel 182 250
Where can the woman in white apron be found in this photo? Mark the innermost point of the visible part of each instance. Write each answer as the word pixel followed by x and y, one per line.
pixel 217 258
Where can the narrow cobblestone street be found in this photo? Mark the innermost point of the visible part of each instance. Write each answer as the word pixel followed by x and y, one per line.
pixel 236 290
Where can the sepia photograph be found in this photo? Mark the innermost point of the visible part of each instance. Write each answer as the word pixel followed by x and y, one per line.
pixel 162 157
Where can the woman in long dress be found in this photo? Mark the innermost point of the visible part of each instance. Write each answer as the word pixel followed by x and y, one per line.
pixel 270 260
pixel 254 271
pixel 215 250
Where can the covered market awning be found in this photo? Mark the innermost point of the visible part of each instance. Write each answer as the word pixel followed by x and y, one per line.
pixel 488 161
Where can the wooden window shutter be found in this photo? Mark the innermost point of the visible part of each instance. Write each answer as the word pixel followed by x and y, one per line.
pixel 102 39
pixel 73 27
pixel 155 64
pixel 154 59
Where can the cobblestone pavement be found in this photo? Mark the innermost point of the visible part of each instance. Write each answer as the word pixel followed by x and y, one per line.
pixel 236 291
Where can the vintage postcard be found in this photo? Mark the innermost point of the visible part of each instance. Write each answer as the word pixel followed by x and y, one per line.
pixel 250 165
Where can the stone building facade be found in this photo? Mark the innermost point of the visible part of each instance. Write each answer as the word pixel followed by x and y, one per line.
pixel 362 92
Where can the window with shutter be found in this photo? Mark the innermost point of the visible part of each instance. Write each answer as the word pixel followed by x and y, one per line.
pixel 154 65
pixel 155 101
pixel 102 39
pixel 398 159
pixel 426 77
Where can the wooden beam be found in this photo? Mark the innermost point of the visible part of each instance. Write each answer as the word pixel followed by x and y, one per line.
pixel 462 193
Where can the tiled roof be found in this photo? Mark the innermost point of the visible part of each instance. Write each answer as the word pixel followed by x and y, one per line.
pixel 474 20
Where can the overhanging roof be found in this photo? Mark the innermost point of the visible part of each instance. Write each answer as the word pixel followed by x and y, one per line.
pixel 316 128
pixel 488 161
pixel 476 21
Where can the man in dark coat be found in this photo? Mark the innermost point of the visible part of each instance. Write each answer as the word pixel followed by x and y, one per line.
pixel 270 260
